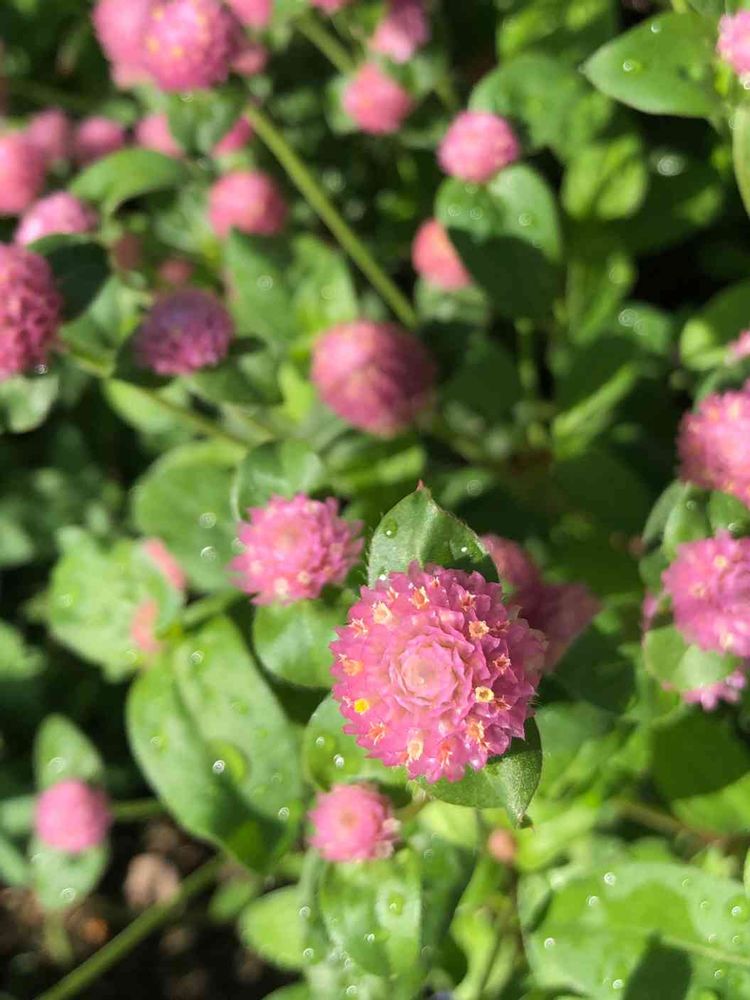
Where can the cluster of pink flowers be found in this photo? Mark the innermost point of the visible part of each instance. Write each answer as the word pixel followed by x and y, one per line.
pixel 734 41
pixel 376 376
pixel 72 816
pixel 185 331
pixel 434 673
pixel 189 44
pixel 714 444
pixel 56 213
pixel 353 823
pixel 434 258
pixel 120 28
pixel 294 548
pixel 247 200
pixel 30 310
pixel 739 348
pixel 404 29
pixel 477 146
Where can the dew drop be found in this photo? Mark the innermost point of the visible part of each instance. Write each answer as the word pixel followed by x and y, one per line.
pixel 685 882
pixel 320 741
pixel 208 553
pixel 718 973
pixel 68 894
pixel 196 657
pixel 265 282
pixel 618 984
pixel 304 912
pixel 655 27
pixel 549 943
pixel 56 765
pixel 704 904
pixel 157 742
pixel 593 901
pixel 219 766
pixel 351 991
pixel 396 904
pixel 610 878
pixel 338 761
pixel 370 938
pixel 736 939
pixel 65 600
pixel 525 219
pixel 631 66
pixel 308 954
pixel 283 813
pixel 207 519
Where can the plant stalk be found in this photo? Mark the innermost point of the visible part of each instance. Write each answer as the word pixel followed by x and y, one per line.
pixel 327 43
pixel 136 810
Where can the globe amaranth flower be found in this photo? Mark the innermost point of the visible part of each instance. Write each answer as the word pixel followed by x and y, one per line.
pixel 153 132
pixel 733 44
pixel 190 44
pixel 294 548
pixel 56 213
pixel 714 444
pixel 434 673
pixel 376 376
pixel 119 27
pixel 185 331
pixel 404 29
pixel 22 169
pixel 254 13
pixel 434 257
pixel 52 133
pixel 251 58
pixel 375 102
pixel 709 583
pixel 353 823
pixel 30 310
pixel 235 139
pixel 96 137
pixel 477 146
pixel 248 200
pixel 72 816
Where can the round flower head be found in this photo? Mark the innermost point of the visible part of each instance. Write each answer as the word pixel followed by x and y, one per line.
pixel 709 583
pixel 477 145
pixel 254 13
pixel 330 6
pixel 235 139
pixel 52 134
pixel 375 376
pixel 185 331
pixel 403 30
pixel 251 58
pixel 152 132
pixel 433 672
pixel 72 816
pixel 734 41
pixel 119 26
pixel 248 200
pixel 22 169
pixel 57 213
pixel 375 102
pixel 30 308
pixel 516 569
pixel 190 44
pixel 353 823
pixel 97 137
pixel 434 257
pixel 294 548
pixel 714 444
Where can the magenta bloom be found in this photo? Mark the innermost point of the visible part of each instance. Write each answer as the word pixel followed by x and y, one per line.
pixel 709 583
pixel 52 134
pixel 734 41
pixel 57 213
pixel 72 816
pixel 294 548
pixel 165 562
pixel 375 376
pixel 434 673
pixel 330 6
pixel 119 26
pixel 517 570
pixel 714 444
pixel 235 139
pixel 353 823
pixel 30 309
pixel 97 137
pixel 254 13
pixel 434 258
pixel 251 58
pixel 190 44
pixel 248 200
pixel 403 30
pixel 185 331
pixel 375 102
pixel 152 132
pixel 22 169
pixel 477 145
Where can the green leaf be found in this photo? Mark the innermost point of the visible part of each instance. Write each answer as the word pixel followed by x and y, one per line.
pixel 662 66
pixel 273 927
pixel 62 752
pixel 599 482
pixel 261 302
pixel 25 402
pixel 661 510
pixel 508 781
pixel 14 868
pixel 198 124
pixel 80 268
pixel 275 469
pixel 681 666
pixel 214 743
pixel 417 530
pixel 126 174
pixel 60 879
pixel 607 179
pixel 741 152
pixel 727 513
pixel 704 340
pixel 323 289
pixel 687 521
pixel 292 641
pixel 569 28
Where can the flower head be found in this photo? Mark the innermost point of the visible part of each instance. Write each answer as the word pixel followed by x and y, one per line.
pixel 434 673
pixel 353 823
pixel 714 444
pixel 235 139
pixel 72 816
pixel 153 132
pixel 729 690
pixel 248 200
pixel 57 213
pixel 294 548
pixel 251 58
pixel 22 169
pixel 190 44
pixel 52 134
pixel 733 44
pixel 186 330
pixel 516 569
pixel 119 26
pixel 375 102
pixel 375 376
pixel 403 30
pixel 96 137
pixel 478 145
pixel 143 627
pixel 30 308
pixel 709 583
pixel 254 13
pixel 434 257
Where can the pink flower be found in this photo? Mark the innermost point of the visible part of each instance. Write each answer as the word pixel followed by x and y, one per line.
pixel 57 213
pixel 72 816
pixel 152 132
pixel 709 696
pixel 330 6
pixel 119 26
pixel 434 257
pixel 165 562
pixel 714 444
pixel 515 567
pixel 30 310
pixel 97 137
pixel 734 41
pixel 52 134
pixel 353 823
pixel 375 376
pixel 477 145
pixel 190 44
pixel 709 583
pixel 185 331
pixel 143 628
pixel 501 845
pixel 375 102
pixel 22 168
pixel 740 348
pixel 251 58
pixel 254 13
pixel 176 271
pixel 294 548
pixel 248 200
pixel 238 136
pixel 403 30
pixel 434 673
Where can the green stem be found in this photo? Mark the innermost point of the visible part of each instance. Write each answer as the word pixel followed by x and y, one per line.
pixel 56 939
pixel 327 43
pixel 647 816
pixel 136 810
pixel 527 370
pixel 199 611
pixel 329 214
pixel 115 950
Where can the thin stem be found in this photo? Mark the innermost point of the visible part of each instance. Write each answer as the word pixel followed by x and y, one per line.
pixel 329 214
pixel 199 611
pixel 115 950
pixel 327 43
pixel 647 816
pixel 136 810
pixel 56 939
